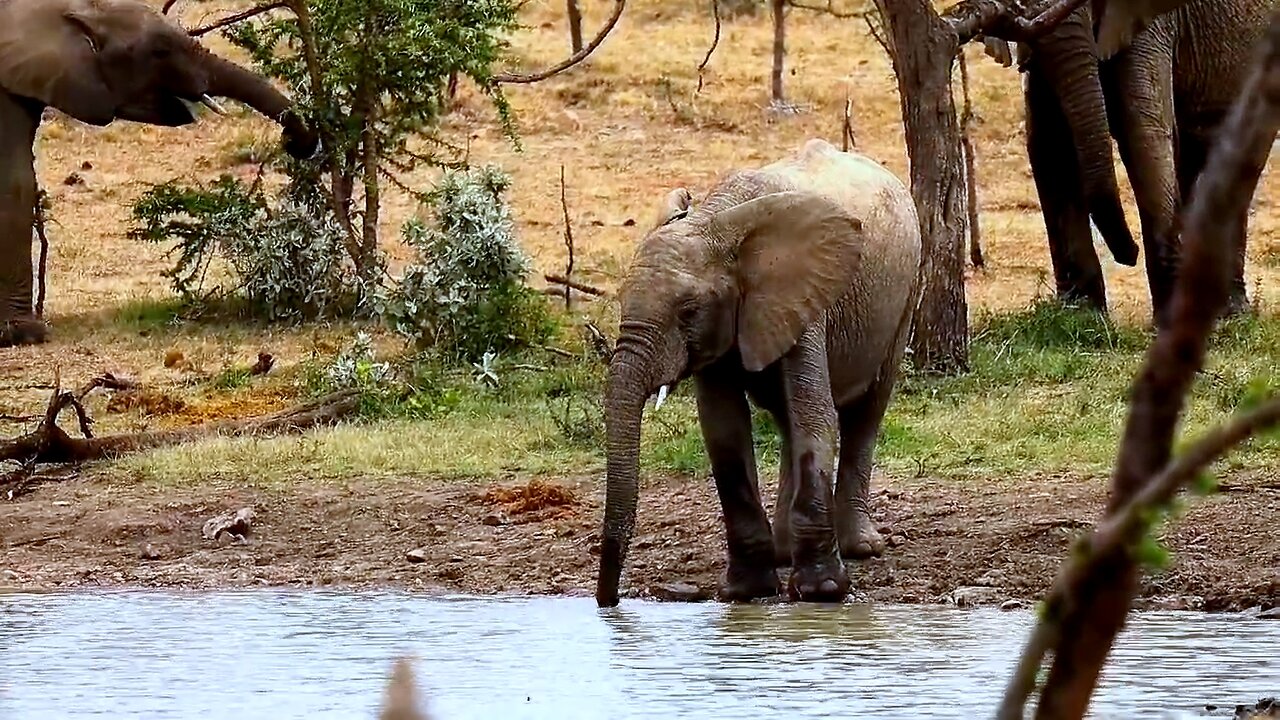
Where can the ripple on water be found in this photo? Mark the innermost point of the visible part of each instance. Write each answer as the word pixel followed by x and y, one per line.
pixel 306 654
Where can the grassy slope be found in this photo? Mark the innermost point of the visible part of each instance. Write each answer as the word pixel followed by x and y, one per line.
pixel 1046 395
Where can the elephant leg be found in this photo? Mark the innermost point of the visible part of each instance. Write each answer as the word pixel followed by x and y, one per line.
pixel 859 426
pixel 725 418
pixel 817 572
pixel 786 497
pixel 18 122
pixel 1055 167
pixel 1139 87
pixel 1192 153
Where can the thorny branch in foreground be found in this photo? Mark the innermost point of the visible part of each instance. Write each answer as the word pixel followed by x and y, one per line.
pixel 715 42
pixel 574 59
pixel 1088 605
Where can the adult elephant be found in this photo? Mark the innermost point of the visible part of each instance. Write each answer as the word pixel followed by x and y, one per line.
pixel 1165 94
pixel 98 61
pixel 791 285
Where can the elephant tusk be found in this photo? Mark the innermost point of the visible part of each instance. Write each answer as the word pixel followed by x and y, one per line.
pixel 662 396
pixel 212 104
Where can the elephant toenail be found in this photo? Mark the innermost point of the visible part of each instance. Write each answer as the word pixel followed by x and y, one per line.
pixel 828 586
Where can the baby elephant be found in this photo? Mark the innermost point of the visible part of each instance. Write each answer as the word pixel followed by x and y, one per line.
pixel 792 284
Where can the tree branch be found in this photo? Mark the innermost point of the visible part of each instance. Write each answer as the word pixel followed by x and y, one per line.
pixel 715 42
pixel 238 17
pixel 829 9
pixel 168 5
pixel 1090 602
pixel 574 59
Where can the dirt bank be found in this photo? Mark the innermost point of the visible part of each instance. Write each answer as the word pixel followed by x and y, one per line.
pixel 520 536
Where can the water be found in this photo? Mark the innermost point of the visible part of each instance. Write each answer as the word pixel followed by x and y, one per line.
pixel 305 654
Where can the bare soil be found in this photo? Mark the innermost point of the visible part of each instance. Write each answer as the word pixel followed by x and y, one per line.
pixel 523 536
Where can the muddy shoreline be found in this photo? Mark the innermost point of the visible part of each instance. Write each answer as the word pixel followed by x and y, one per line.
pixel 964 542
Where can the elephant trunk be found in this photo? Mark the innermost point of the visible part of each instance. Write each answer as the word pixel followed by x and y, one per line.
pixel 227 79
pixel 1068 59
pixel 628 388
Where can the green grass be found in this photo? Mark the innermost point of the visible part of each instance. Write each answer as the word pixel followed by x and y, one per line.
pixel 1047 393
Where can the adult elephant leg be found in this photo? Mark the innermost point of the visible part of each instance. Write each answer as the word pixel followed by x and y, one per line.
pixel 817 571
pixel 725 419
pixel 1139 88
pixel 1192 151
pixel 18 122
pixel 786 495
pixel 1055 167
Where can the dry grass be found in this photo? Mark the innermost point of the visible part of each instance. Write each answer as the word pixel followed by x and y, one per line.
pixel 628 125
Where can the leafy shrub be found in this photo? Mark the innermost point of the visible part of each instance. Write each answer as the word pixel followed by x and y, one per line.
pixel 464 294
pixel 285 262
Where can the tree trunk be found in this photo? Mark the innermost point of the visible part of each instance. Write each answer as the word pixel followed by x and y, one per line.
pixel 923 47
pixel 575 26
pixel 779 51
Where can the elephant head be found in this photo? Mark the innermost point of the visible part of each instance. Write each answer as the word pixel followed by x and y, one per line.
pixel 105 60
pixel 745 279
pixel 1067 58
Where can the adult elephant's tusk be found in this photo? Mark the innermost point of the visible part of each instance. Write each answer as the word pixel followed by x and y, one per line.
pixel 662 396
pixel 212 104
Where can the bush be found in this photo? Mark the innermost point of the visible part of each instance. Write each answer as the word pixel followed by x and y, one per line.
pixel 285 263
pixel 464 295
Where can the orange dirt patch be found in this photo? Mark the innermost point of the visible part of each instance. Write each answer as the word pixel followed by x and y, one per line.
pixel 536 496
pixel 145 402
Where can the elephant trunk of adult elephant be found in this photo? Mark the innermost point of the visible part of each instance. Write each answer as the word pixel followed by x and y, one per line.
pixel 1069 61
pixel 630 378
pixel 227 79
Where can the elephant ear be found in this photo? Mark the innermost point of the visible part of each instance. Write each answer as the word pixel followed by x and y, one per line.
pixel 675 206
pixel 49 54
pixel 797 254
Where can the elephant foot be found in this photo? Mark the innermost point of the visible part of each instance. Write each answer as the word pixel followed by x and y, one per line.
pixel 23 331
pixel 859 539
pixel 1238 306
pixel 824 581
pixel 745 582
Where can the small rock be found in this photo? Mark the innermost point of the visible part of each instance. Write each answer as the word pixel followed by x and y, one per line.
pixel 896 541
pixel 235 524
pixel 970 596
pixel 679 592
pixel 629 222
pixel 1272 614
pixel 73 179
pixel 86 165
pixel 456 559
pixel 149 552
pixel 494 519
pixel 1008 605
pixel 416 555
pixel 9 576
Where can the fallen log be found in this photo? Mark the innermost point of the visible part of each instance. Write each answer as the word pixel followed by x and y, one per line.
pixel 49 443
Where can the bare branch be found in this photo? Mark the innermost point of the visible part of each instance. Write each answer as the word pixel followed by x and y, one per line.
pixel 970 166
pixel 42 206
pixel 568 238
pixel 168 5
pixel 574 59
pixel 580 287
pixel 1091 600
pixel 238 17
pixel 715 42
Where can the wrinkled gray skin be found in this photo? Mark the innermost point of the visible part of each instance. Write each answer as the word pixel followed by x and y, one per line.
pixel 791 285
pixel 1165 93
pixel 98 61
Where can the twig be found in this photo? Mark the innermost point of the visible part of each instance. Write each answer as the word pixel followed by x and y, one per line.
pixel 168 4
pixel 558 351
pixel 600 342
pixel 568 238
pixel 517 78
pixel 238 17
pixel 42 203
pixel 877 35
pixel 970 167
pixel 580 287
pixel 715 42
pixel 19 418
pixel 847 139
